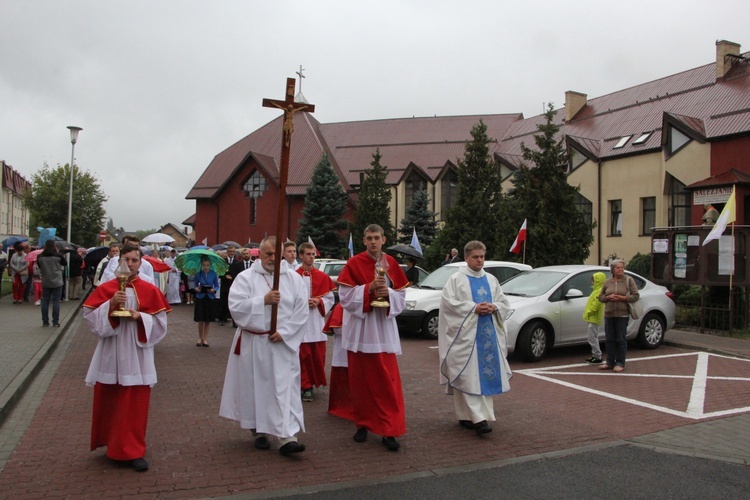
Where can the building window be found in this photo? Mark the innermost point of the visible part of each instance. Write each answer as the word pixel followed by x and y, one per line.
pixel 414 183
pixel 648 215
pixel 254 188
pixel 585 207
pixel 676 140
pixel 679 204
pixel 576 159
pixel 615 218
pixel 621 143
pixel 643 138
pixel 448 192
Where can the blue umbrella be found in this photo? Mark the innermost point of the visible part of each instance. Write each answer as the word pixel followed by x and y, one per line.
pixel 190 261
pixel 12 240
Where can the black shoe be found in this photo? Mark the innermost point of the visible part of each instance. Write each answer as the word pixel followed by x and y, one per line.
pixel 466 424
pixel 262 443
pixel 593 360
pixel 292 447
pixel 55 324
pixel 482 427
pixel 361 435
pixel 307 395
pixel 390 443
pixel 139 465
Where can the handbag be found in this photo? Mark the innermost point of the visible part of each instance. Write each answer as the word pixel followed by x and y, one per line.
pixel 635 309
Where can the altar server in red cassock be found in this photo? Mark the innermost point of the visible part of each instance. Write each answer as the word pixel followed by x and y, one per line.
pixel 312 351
pixel 122 370
pixel 370 336
pixel 339 399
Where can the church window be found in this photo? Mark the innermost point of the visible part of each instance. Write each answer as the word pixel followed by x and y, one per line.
pixel 576 159
pixel 676 140
pixel 585 207
pixel 254 188
pixel 648 215
pixel 448 192
pixel 414 183
pixel 615 218
pixel 679 204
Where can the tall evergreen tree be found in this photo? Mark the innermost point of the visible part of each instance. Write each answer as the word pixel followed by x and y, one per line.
pixel 323 215
pixel 374 204
pixel 475 215
pixel 47 201
pixel 418 216
pixel 557 232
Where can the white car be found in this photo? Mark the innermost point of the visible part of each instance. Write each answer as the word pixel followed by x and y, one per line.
pixel 423 300
pixel 547 310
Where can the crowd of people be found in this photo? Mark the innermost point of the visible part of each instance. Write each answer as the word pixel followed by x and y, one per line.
pixel 277 356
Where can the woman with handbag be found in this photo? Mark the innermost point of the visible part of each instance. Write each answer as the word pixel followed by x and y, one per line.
pixel 617 292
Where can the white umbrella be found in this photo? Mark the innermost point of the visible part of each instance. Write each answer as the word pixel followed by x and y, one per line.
pixel 157 238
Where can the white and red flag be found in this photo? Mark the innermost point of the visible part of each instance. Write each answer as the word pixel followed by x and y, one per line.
pixel 310 241
pixel 518 243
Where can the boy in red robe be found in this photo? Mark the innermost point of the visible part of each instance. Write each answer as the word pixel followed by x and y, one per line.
pixel 370 336
pixel 122 369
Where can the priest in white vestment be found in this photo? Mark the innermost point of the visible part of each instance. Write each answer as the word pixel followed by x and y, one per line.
pixel 472 341
pixel 262 382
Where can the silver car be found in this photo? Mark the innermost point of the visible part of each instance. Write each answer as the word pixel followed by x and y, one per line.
pixel 547 310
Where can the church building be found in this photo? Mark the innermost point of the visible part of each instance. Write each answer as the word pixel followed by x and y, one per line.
pixel 644 157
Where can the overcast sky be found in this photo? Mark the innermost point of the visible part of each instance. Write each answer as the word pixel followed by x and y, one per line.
pixel 160 87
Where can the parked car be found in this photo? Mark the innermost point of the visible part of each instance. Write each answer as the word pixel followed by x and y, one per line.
pixel 332 267
pixel 547 307
pixel 422 273
pixel 423 300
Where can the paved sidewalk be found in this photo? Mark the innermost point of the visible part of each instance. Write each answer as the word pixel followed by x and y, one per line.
pixel 197 454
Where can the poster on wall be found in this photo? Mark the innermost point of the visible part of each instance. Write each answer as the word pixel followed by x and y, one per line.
pixel 661 246
pixel 680 255
pixel 726 255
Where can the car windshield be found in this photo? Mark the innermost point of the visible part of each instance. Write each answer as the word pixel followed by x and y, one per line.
pixel 532 283
pixel 437 278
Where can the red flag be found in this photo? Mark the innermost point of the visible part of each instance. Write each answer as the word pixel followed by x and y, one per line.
pixel 516 248
pixel 309 240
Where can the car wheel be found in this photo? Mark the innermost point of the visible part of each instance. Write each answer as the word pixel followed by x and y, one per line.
pixel 651 332
pixel 430 325
pixel 534 341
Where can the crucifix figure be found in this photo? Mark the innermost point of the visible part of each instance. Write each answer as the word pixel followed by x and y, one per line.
pixel 290 107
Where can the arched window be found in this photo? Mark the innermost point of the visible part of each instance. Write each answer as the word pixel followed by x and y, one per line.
pixel 254 188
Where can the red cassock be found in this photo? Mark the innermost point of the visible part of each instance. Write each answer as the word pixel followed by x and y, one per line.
pixel 312 354
pixel 339 400
pixel 120 412
pixel 374 378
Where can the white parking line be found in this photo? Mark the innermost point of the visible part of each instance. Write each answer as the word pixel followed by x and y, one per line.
pixel 695 404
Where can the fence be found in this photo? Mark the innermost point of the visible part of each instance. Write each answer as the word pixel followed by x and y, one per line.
pixel 696 312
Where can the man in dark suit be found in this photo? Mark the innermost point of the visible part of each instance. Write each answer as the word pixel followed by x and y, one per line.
pixel 226 282
pixel 236 267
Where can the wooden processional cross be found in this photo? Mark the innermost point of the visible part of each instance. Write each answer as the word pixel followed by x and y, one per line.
pixel 289 107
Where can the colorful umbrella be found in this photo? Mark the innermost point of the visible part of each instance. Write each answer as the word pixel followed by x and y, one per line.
pixel 33 255
pixel 190 261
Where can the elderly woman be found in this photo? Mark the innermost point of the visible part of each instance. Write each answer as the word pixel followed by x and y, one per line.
pixel 616 293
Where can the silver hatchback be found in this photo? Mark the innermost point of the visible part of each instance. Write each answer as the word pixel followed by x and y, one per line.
pixel 547 310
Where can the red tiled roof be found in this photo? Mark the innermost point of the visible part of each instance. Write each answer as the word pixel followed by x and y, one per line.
pixel 727 178
pixel 692 100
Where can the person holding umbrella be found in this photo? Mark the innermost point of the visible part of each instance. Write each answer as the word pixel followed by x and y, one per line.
pixel 205 284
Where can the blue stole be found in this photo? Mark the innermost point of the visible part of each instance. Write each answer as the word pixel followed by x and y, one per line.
pixel 488 351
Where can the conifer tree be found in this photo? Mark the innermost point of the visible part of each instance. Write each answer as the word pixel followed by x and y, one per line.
pixel 418 216
pixel 374 204
pixel 557 232
pixel 475 215
pixel 323 214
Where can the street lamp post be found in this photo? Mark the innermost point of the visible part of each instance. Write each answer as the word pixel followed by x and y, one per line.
pixel 73 139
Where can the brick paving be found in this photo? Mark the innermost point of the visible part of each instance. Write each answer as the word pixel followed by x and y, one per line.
pixel 194 453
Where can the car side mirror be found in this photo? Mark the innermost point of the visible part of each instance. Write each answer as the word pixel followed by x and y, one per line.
pixel 573 293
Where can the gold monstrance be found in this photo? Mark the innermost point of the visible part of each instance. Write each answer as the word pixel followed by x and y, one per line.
pixel 122 273
pixel 381 268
